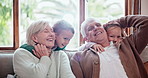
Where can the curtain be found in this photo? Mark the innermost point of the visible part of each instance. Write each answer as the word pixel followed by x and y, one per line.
pixel 132 7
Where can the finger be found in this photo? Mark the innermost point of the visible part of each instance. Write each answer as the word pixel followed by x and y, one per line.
pixel 95 48
pixel 45 49
pixel 102 49
pixel 38 47
pixel 36 54
pixel 98 49
pixel 42 49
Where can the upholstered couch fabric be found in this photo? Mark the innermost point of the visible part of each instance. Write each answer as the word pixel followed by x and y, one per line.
pixel 6 65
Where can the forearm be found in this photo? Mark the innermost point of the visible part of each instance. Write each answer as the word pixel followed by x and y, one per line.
pixel 86 46
pixel 140 23
pixel 133 21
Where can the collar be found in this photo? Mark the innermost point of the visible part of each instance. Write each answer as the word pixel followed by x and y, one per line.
pixel 58 48
pixel 28 47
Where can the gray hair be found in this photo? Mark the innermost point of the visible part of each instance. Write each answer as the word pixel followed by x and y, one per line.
pixel 35 28
pixel 85 24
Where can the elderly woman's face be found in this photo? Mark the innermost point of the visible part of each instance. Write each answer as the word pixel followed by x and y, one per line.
pixel 45 37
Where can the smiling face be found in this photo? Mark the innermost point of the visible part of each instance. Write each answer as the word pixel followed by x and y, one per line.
pixel 45 37
pixel 96 33
pixel 114 34
pixel 63 38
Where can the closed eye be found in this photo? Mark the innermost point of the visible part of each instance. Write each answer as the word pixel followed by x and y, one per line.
pixel 90 28
pixel 118 36
pixel 66 39
pixel 111 36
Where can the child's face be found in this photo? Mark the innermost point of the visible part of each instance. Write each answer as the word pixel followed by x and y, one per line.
pixel 63 38
pixel 114 34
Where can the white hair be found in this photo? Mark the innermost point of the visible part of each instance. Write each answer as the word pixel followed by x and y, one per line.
pixel 34 28
pixel 85 24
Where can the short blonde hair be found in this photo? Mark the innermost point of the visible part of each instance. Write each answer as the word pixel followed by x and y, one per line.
pixel 85 24
pixel 35 28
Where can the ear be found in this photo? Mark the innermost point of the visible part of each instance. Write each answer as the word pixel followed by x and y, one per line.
pixel 34 38
pixel 85 39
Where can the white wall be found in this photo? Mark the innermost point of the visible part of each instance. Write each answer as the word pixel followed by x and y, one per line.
pixel 144 7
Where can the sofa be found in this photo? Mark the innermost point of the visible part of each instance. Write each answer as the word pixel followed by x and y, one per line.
pixel 6 64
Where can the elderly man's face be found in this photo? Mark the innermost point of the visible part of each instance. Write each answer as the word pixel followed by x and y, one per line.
pixel 95 33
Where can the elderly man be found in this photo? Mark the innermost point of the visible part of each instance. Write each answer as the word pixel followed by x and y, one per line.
pixel 121 61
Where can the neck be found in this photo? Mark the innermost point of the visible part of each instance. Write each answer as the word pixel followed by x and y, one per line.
pixel 106 44
pixel 49 49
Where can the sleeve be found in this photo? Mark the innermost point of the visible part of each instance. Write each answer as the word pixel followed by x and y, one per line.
pixel 65 69
pixel 140 23
pixel 86 46
pixel 27 66
pixel 76 67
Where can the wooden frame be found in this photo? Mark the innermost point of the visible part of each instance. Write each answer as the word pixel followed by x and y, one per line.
pixel 82 18
pixel 15 27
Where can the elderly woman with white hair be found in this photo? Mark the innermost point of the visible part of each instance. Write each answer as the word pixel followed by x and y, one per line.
pixel 36 58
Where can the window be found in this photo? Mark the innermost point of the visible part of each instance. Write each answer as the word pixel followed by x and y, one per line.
pixel 51 10
pixel 6 24
pixel 16 16
pixel 105 10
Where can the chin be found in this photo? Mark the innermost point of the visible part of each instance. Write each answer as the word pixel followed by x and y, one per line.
pixel 50 46
pixel 60 47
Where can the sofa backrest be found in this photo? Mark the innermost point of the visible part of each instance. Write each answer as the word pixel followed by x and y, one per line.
pixel 6 65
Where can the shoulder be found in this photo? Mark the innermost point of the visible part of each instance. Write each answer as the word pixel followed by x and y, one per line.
pixel 59 53
pixel 22 52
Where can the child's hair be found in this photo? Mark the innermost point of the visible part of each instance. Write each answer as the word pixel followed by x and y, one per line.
pixel 111 25
pixel 115 24
pixel 62 25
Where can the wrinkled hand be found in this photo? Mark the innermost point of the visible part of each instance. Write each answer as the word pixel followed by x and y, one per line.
pixel 98 48
pixel 41 50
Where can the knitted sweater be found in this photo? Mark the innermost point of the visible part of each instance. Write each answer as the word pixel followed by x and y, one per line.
pixel 26 65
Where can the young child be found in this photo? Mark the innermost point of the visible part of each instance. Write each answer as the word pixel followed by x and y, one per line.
pixel 64 32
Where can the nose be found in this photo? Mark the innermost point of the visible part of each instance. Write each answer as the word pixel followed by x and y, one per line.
pixel 95 28
pixel 66 42
pixel 115 39
pixel 52 34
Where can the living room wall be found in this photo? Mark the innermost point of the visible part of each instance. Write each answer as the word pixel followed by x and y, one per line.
pixel 144 5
